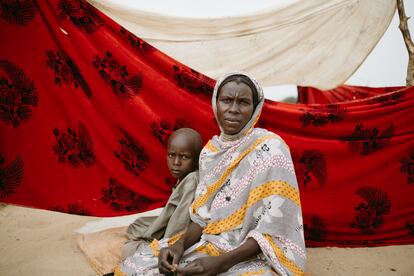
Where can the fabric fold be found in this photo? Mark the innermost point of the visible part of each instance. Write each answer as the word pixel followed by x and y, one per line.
pixel 317 43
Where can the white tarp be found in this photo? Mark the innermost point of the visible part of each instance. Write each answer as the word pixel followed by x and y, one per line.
pixel 310 42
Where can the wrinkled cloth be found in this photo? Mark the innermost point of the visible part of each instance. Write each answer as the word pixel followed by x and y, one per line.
pixel 343 93
pixel 102 249
pixel 316 43
pixel 173 219
pixel 249 190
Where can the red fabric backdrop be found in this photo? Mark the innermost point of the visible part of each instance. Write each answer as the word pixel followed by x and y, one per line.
pixel 86 108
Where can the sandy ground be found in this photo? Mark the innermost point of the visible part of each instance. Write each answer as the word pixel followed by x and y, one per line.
pixel 37 242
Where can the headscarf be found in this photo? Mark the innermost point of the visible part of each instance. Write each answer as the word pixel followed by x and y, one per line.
pixel 256 112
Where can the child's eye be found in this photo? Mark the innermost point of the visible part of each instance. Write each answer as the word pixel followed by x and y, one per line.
pixel 170 155
pixel 184 157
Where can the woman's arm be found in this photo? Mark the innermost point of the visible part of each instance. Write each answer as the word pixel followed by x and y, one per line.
pixel 191 236
pixel 170 256
pixel 222 263
pixel 244 252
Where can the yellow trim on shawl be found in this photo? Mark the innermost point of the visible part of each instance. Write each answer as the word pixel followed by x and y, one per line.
pixel 211 147
pixel 257 272
pixel 200 201
pixel 281 188
pixel 289 264
pixel 175 238
pixel 209 249
pixel 154 244
pixel 118 271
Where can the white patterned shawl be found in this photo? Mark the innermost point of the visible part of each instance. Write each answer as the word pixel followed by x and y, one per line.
pixel 248 189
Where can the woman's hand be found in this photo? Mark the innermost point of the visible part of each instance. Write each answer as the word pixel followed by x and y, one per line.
pixel 203 266
pixel 214 265
pixel 169 257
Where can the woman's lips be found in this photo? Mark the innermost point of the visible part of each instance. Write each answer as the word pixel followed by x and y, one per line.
pixel 232 121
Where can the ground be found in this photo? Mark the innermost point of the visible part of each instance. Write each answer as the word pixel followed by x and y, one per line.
pixel 37 242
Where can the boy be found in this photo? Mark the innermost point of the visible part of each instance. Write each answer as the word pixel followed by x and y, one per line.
pixel 183 151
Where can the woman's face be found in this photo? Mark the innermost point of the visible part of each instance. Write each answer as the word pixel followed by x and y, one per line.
pixel 234 107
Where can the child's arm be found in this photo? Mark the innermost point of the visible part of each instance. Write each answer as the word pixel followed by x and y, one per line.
pixel 180 218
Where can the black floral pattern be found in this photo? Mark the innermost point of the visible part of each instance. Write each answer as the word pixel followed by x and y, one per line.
pixel 315 229
pixel 310 163
pixel 319 117
pixel 132 154
pixel 193 81
pixel 407 166
pixel 409 225
pixel 388 99
pixel 18 94
pixel 116 75
pixel 142 46
pixel 368 140
pixel 74 148
pixel 121 198
pixel 369 215
pixel 11 176
pixel 163 129
pixel 74 209
pixel 18 12
pixel 66 72
pixel 81 14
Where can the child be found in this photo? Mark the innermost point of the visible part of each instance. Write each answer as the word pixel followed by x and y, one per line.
pixel 183 150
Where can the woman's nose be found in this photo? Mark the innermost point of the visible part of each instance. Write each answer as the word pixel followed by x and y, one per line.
pixel 234 107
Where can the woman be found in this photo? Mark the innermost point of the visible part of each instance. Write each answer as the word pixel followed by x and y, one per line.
pixel 246 216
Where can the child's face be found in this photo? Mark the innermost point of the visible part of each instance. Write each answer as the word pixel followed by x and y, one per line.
pixel 181 157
